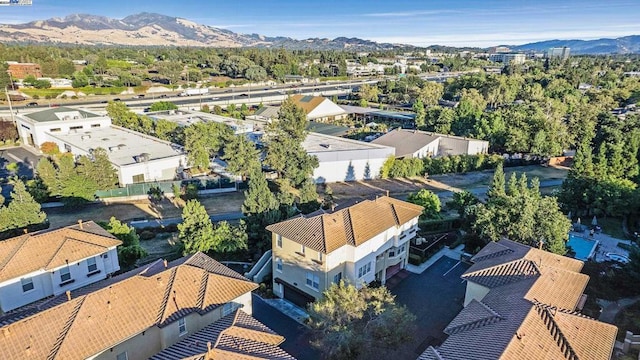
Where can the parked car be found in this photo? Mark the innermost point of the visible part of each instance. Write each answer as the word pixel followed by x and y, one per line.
pixel 33 103
pixel 117 99
pixel 139 96
pixel 162 96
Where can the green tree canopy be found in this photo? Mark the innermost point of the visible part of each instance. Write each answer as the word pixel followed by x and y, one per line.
pixel 428 200
pixel 22 210
pixel 130 250
pixel 365 323
pixel 162 106
pixel 196 229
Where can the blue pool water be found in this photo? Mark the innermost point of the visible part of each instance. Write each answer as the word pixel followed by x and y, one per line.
pixel 583 247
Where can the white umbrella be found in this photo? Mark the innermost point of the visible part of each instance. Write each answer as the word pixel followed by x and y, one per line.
pixel 578 220
pixel 569 215
pixel 594 222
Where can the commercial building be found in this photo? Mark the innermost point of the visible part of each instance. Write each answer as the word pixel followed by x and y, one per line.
pixel 343 159
pixel 49 263
pixel 137 157
pixel 420 144
pixel 187 117
pixel 359 244
pixel 523 303
pixel 508 58
pixel 19 70
pixel 135 315
pixel 559 52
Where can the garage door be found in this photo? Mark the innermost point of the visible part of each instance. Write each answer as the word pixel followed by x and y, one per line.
pixel 297 297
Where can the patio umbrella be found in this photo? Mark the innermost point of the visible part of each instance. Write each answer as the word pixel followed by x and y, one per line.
pixel 569 215
pixel 594 222
pixel 578 221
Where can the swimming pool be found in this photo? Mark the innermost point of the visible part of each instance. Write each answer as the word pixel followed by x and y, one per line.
pixel 583 247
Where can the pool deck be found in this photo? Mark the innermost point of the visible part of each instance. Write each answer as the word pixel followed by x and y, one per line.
pixel 607 244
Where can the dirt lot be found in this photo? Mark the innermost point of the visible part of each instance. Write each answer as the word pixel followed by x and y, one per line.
pixel 399 187
pixel 220 203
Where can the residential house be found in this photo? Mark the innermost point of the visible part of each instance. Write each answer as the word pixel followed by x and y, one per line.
pixel 235 336
pixel 133 318
pixel 39 265
pixel 361 243
pixel 137 157
pixel 420 144
pixel 523 303
pixel 319 108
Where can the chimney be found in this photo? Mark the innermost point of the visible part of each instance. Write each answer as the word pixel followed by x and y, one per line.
pixel 540 244
pixel 80 223
pixel 166 264
pixel 68 295
pixel 208 346
pixel 387 193
pixel 26 231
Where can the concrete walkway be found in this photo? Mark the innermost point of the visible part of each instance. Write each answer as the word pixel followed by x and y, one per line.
pixel 451 253
pixel 611 308
pixel 289 309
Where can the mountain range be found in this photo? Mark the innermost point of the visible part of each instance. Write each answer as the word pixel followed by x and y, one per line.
pixel 150 29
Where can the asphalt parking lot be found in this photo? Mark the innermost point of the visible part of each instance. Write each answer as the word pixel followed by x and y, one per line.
pixel 435 297
pixel 25 159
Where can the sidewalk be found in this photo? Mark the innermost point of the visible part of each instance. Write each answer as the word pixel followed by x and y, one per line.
pixel 289 309
pixel 451 253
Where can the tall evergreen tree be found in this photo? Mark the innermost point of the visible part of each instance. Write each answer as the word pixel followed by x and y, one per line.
pixel 130 250
pixel 241 156
pixel 22 211
pixel 47 173
pixel 196 229
pixel 496 189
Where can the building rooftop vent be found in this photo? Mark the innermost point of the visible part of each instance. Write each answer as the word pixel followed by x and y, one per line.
pixel 326 146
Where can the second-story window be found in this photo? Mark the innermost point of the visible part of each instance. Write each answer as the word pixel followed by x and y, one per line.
pixel 65 275
pixel 27 284
pixel 279 240
pixel 91 265
pixel 182 326
pixel 278 264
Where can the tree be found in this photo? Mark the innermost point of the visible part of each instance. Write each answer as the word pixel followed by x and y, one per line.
pixel 255 73
pixel 430 93
pixel 228 238
pixel 130 250
pixel 261 208
pixel 461 201
pixel 429 201
pixel 163 106
pixel 47 173
pixel 204 140
pixel 241 156
pixel 418 108
pixel 22 211
pixel 196 229
pixel 349 323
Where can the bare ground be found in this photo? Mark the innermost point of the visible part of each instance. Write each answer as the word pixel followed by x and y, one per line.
pixel 220 203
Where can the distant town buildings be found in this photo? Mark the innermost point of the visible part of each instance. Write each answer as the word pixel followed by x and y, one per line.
pixel 558 52
pixel 19 70
pixel 508 58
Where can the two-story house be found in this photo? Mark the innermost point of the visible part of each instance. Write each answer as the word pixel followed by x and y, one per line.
pixel 39 265
pixel 362 243
pixel 132 316
pixel 524 303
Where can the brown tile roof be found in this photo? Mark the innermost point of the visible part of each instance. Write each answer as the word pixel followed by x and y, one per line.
pixel 306 102
pixel 51 249
pixel 353 226
pixel 98 320
pixel 527 313
pixel 236 336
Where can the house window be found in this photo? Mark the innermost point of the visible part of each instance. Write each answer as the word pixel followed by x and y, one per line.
pixel 279 240
pixel 392 253
pixel 67 147
pixel 138 178
pixel 122 356
pixel 279 264
pixel 65 275
pixel 55 130
pixel 91 265
pixel 182 326
pixel 75 127
pixel 95 125
pixel 27 284
pixel 320 256
pixel 313 281
pixel 337 277
pixel 364 270
pixel 228 308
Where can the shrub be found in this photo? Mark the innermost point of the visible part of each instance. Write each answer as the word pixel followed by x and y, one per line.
pixel 50 148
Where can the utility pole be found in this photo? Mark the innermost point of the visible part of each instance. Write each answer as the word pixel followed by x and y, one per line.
pixel 6 93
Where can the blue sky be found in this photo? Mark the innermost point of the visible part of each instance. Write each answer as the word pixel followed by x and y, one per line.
pixel 418 22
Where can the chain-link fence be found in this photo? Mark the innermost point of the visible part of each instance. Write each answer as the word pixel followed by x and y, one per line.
pixel 167 186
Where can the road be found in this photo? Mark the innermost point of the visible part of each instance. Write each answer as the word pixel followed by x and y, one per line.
pixel 228 216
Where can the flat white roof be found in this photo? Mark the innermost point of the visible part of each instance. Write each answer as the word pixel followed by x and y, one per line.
pixel 185 118
pixel 317 143
pixel 123 146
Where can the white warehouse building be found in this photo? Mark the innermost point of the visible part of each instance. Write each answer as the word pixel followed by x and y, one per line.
pixel 345 159
pixel 136 157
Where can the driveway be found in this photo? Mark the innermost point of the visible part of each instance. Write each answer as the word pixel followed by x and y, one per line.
pixel 435 297
pixel 297 336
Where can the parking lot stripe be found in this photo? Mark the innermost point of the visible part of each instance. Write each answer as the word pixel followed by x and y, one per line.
pixel 445 274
